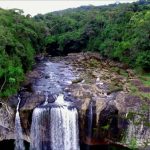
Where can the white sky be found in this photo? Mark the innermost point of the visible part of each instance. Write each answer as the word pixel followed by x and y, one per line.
pixel 34 7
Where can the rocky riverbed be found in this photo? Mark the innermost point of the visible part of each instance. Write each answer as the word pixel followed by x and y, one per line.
pixel 111 109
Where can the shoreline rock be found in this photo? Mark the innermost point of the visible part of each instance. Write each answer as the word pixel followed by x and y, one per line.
pixel 99 89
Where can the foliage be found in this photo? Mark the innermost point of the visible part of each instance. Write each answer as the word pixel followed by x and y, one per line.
pixel 117 31
pixel 133 144
pixel 120 32
pixel 19 41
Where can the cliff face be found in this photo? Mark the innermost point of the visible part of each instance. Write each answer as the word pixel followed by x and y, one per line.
pixel 6 122
pixel 111 112
pixel 108 111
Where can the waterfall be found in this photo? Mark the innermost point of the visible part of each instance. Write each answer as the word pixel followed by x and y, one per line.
pixel 90 120
pixel 40 129
pixel 55 127
pixel 19 145
pixel 46 99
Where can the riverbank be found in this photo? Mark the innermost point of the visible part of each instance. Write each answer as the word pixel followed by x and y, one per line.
pixel 110 111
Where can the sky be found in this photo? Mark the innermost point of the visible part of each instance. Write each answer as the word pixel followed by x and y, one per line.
pixel 34 7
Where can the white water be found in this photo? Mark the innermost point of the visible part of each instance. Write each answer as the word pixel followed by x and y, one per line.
pixel 60 101
pixel 37 129
pixel 64 132
pixel 46 99
pixel 59 75
pixel 55 128
pixel 90 120
pixel 19 145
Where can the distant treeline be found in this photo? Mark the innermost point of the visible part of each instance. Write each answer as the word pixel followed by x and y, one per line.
pixel 118 31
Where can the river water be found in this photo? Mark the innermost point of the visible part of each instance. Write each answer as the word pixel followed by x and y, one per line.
pixel 55 125
pixel 57 76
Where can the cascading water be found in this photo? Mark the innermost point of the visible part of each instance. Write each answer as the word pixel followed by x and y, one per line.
pixel 46 99
pixel 19 145
pixel 90 120
pixel 40 129
pixel 55 127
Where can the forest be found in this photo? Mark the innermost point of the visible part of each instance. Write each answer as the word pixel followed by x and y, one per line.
pixel 120 32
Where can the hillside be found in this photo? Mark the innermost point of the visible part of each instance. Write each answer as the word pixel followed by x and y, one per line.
pixel 20 39
pixel 118 32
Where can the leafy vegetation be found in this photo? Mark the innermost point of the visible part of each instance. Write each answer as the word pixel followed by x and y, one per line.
pixel 118 31
pixel 20 39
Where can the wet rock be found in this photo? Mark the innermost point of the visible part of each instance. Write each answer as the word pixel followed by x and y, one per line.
pixel 6 122
pixel 136 82
pixel 31 100
pixel 108 123
pixel 51 98
pixel 95 74
pixel 132 101
pixel 77 80
pixel 130 73
pixel 144 89
pixel 47 76
pixel 13 101
pixel 27 87
pixel 113 89
pixel 39 58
